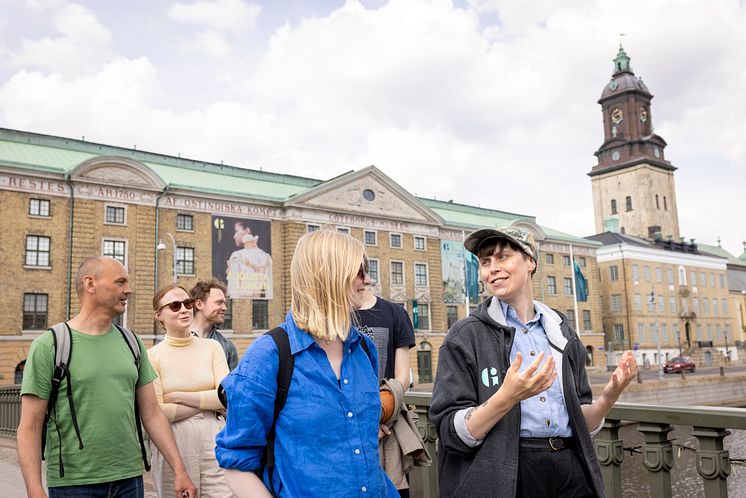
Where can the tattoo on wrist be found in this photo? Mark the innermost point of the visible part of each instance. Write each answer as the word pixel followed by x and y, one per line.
pixel 469 413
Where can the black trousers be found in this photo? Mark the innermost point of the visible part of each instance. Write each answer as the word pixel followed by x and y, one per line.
pixel 543 473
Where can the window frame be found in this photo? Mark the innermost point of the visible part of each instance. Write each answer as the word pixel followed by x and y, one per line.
pixel 374 262
pixel 255 325
pixel 185 216
pixel 116 208
pixel 417 238
pixel 37 251
pixel 36 313
pixel 391 240
pixel 181 263
pixel 40 202
pixel 375 237
pixel 391 272
pixel 115 241
pixel 421 264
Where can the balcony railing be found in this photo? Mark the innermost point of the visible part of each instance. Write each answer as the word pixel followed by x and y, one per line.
pixel 709 425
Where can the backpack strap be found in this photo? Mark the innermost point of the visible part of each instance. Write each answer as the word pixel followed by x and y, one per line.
pixel 284 374
pixel 131 339
pixel 63 345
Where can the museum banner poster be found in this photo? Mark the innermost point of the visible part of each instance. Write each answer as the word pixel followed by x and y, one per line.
pixel 457 273
pixel 242 256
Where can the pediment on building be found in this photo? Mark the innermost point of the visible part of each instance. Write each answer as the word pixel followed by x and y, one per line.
pixel 367 192
pixel 532 227
pixel 119 171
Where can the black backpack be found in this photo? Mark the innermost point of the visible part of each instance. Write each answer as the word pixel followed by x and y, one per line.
pixel 63 345
pixel 284 373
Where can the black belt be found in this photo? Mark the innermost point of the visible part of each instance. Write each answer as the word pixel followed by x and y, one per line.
pixel 547 443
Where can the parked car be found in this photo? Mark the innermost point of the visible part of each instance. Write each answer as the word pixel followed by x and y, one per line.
pixel 678 364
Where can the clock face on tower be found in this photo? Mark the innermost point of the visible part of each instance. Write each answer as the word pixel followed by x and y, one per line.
pixel 617 116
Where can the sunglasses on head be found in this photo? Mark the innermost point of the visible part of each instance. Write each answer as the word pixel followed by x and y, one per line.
pixel 176 305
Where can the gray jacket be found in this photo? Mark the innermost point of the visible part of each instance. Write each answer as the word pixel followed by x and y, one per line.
pixel 471 349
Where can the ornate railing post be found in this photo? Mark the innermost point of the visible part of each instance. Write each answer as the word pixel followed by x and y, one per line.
pixel 421 402
pixel 657 457
pixel 713 462
pixel 610 456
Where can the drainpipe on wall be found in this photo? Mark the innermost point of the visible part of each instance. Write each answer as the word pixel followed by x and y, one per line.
pixel 68 299
pixel 155 272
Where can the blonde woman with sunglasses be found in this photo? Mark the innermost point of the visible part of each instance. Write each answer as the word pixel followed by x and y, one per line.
pixel 189 371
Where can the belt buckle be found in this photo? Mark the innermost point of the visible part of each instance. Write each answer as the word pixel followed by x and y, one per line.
pixel 558 441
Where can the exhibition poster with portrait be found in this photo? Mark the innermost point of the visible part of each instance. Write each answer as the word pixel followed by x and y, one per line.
pixel 242 256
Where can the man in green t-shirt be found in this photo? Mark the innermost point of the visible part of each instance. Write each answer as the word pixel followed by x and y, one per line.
pixel 105 383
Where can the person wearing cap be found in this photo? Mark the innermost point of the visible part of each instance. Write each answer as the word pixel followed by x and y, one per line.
pixel 511 401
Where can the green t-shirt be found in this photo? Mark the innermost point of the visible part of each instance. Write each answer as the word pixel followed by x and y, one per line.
pixel 104 379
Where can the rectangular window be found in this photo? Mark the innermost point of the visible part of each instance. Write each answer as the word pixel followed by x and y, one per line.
pixel 714 307
pixel 651 302
pixel 703 279
pixel 587 325
pixel 641 333
pixel 658 275
pixel 568 286
pixel 664 333
pixel 571 318
pixel 373 270
pixel 116 249
pixel 616 303
pixel 646 273
pixel 613 273
pixel 423 316
pixel 628 203
pixel 712 280
pixel 699 332
pixel 185 222
pixel 722 281
pixel 451 315
pixel 566 260
pixel 695 304
pixel 550 259
pixel 661 304
pixel 420 274
pixel 653 333
pixel 724 306
pixel 618 332
pixel 185 261
pixel 709 332
pixel 259 314
pixel 419 243
pixel 228 318
pixel 35 311
pixel 370 238
pixel 693 279
pixel 672 304
pixel 313 228
pixel 705 306
pixel 115 215
pixel 395 240
pixel 38 207
pixel 37 250
pixel 638 302
pixel 582 262
pixel 669 274
pixel 397 273
pixel 635 273
pixel 551 285
pixel 343 230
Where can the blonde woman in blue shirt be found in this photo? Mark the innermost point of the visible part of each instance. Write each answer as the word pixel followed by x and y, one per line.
pixel 327 433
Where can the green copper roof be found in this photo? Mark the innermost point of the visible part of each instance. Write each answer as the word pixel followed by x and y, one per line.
pixel 61 155
pixel 621 61
pixel 720 253
pixel 472 217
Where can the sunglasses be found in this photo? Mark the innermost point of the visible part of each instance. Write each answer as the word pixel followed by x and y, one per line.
pixel 176 305
pixel 364 269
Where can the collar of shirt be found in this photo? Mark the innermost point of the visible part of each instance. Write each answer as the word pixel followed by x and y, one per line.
pixel 301 339
pixel 511 315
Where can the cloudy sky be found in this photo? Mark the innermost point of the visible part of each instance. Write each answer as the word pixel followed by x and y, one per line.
pixel 486 102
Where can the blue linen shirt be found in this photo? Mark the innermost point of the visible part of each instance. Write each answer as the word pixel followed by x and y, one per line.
pixel 545 414
pixel 327 433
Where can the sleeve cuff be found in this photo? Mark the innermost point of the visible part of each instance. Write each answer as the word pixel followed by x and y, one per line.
pixel 598 429
pixel 459 423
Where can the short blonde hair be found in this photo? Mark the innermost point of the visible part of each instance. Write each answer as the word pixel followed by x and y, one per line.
pixel 322 271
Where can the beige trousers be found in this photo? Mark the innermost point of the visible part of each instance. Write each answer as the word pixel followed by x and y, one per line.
pixel 195 438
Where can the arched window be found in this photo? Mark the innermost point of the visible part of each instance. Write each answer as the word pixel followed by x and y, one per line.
pixel 425 363
pixel 682 275
pixel 589 356
pixel 19 372
pixel 628 203
pixel 613 206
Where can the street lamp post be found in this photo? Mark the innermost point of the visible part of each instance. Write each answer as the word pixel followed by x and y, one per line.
pixel 727 351
pixel 162 246
pixel 651 300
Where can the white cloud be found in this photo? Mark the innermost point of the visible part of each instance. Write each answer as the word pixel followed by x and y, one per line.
pixel 225 15
pixel 84 41
pixel 492 105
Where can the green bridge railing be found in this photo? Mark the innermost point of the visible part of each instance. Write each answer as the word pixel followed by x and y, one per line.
pixel 709 425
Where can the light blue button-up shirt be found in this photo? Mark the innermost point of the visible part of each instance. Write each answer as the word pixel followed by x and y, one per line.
pixel 327 433
pixel 543 415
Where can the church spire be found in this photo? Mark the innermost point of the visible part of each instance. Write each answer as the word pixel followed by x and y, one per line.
pixel 621 61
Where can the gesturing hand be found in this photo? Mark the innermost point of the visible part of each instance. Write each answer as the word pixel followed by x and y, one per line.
pixel 625 371
pixel 522 385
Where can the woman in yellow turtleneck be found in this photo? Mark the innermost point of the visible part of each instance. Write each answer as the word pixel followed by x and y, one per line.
pixel 189 371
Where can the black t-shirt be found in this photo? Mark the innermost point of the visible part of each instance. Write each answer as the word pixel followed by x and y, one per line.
pixel 390 328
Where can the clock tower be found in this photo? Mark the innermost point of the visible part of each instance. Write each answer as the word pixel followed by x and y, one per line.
pixel 633 183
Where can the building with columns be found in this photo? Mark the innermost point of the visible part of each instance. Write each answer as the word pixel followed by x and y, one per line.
pixel 172 219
